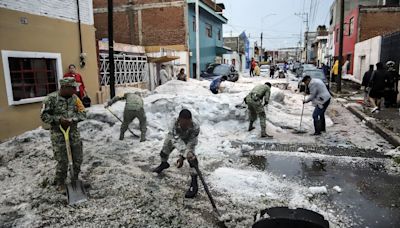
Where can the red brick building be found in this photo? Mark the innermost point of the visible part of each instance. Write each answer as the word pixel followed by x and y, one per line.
pixel 365 22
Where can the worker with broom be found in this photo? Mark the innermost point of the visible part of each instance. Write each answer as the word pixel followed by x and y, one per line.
pixel 256 100
pixel 320 98
pixel 64 109
pixel 133 109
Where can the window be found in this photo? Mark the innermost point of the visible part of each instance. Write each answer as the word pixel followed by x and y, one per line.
pixel 30 76
pixel 209 30
pixel 351 26
pixel 194 24
pixel 219 34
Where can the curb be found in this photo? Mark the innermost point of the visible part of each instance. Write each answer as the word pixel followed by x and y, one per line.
pixel 374 125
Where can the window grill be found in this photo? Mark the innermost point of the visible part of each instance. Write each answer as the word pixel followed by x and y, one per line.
pixel 128 69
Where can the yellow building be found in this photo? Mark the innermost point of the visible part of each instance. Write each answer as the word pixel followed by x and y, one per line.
pixel 39 39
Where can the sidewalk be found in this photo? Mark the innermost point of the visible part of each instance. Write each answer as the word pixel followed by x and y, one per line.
pixel 386 122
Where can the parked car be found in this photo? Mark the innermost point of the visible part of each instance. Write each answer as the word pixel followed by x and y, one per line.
pixel 264 70
pixel 218 70
pixel 313 73
pixel 304 67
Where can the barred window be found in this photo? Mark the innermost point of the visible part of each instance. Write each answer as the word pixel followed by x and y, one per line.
pixel 30 76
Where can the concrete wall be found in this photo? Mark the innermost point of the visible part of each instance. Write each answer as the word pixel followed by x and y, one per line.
pixel 366 53
pixel 42 34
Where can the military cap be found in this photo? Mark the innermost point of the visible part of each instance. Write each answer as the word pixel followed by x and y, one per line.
pixel 68 82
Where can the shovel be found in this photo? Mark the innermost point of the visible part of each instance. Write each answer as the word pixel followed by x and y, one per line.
pixel 75 190
pixel 220 223
pixel 135 135
pixel 301 131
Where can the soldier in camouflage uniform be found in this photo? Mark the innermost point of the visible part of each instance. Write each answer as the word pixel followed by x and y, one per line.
pixel 64 108
pixel 133 109
pixel 182 136
pixel 256 100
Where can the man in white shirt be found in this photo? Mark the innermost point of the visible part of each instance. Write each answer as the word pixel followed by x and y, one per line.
pixel 164 76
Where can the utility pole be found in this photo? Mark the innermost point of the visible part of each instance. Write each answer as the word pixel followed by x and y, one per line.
pixel 197 41
pixel 111 48
pixel 306 32
pixel 340 59
pixel 261 47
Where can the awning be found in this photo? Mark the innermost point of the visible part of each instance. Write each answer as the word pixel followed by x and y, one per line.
pixel 223 50
pixel 162 59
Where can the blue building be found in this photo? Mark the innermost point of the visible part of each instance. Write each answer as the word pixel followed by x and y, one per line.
pixel 211 34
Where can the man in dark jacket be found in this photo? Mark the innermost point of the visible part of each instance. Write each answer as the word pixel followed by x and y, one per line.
pixel 216 83
pixel 377 87
pixel 365 83
pixel 391 88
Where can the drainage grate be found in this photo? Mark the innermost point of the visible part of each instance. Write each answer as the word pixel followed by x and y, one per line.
pixel 310 148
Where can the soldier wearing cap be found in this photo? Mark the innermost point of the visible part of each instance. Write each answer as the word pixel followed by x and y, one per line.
pixel 63 108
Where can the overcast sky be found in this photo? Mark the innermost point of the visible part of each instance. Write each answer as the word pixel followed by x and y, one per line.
pixel 282 28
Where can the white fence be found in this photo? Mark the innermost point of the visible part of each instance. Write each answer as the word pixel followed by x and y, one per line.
pixel 128 69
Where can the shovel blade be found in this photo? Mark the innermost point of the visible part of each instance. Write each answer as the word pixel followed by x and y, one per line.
pixel 76 193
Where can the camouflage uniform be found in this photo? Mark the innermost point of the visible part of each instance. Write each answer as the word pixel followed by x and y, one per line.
pixel 183 141
pixel 55 107
pixel 133 109
pixel 254 101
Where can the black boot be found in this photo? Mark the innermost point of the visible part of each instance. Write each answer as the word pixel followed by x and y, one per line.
pixel 193 189
pixel 251 126
pixel 161 167
pixel 317 127
pixel 323 125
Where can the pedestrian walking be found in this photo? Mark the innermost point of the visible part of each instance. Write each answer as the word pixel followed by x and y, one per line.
pixel 252 66
pixel 80 86
pixel 64 108
pixel 256 100
pixel 182 136
pixel 365 83
pixel 216 84
pixel 325 69
pixel 257 70
pixel 182 76
pixel 320 98
pixel 164 75
pixel 377 87
pixel 391 87
pixel 335 70
pixel 133 109
pixel 272 71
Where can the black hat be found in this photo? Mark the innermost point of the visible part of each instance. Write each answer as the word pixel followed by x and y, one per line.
pixel 307 77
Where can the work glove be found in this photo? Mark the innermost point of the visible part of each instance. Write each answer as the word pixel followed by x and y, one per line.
pixel 179 162
pixel 192 159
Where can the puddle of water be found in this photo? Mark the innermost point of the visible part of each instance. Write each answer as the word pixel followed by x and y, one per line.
pixel 369 194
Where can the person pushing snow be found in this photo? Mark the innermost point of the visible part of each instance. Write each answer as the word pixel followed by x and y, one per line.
pixel 256 100
pixel 133 109
pixel 182 135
